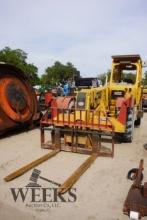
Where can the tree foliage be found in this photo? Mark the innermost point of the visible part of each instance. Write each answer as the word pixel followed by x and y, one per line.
pixel 18 58
pixel 59 73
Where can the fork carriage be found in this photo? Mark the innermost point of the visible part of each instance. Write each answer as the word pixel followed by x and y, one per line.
pixel 78 131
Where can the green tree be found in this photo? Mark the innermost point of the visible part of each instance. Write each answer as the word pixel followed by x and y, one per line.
pixel 59 73
pixel 18 58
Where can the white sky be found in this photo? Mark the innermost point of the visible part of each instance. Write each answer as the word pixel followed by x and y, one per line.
pixel 84 32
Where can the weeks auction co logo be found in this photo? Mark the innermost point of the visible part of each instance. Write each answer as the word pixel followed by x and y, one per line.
pixel 33 195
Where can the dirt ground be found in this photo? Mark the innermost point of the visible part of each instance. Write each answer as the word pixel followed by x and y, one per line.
pixel 100 192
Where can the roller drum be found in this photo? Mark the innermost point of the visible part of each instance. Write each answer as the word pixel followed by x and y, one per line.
pixel 18 103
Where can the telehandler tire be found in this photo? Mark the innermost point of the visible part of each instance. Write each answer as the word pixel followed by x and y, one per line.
pixel 128 135
pixel 138 122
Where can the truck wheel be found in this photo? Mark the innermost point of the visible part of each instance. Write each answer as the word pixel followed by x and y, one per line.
pixel 128 136
pixel 138 122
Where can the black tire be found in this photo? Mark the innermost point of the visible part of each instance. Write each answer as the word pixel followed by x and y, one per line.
pixel 138 122
pixel 128 135
pixel 132 174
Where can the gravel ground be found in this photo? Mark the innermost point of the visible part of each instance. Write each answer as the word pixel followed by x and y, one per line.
pixel 100 192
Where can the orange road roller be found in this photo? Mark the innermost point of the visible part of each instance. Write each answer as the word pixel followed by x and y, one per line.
pixel 18 102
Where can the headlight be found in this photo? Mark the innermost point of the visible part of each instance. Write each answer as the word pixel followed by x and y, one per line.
pixel 117 93
pixel 81 104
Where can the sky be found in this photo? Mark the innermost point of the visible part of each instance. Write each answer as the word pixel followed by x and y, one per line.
pixel 84 32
